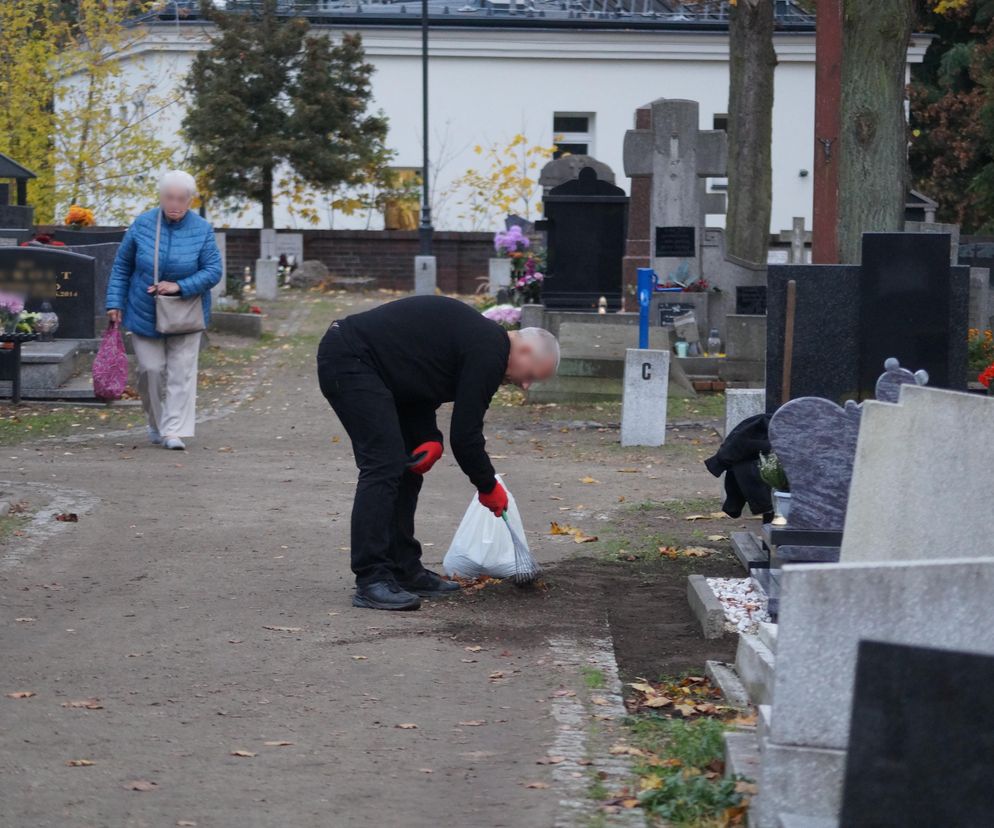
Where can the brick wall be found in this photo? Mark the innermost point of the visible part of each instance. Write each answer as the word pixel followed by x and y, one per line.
pixel 384 255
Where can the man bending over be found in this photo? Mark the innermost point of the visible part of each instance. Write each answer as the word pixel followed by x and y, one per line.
pixel 385 372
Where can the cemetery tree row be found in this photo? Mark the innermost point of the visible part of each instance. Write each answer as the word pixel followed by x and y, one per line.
pixel 275 109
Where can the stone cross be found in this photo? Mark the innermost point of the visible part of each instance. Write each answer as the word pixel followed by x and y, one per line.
pixel 668 147
pixel 798 238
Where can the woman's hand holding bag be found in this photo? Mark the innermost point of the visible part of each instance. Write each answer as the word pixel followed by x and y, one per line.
pixel 110 368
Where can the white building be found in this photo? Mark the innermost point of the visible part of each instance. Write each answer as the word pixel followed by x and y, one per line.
pixel 555 71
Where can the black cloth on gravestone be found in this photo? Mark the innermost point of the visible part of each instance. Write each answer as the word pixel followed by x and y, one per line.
pixel 428 350
pixel 738 459
pixel 383 544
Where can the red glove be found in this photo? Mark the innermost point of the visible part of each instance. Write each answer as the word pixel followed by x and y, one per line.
pixel 425 456
pixel 495 500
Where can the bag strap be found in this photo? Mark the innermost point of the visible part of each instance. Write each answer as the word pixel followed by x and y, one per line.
pixel 158 235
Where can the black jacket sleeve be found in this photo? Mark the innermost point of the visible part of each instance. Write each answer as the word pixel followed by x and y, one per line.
pixel 479 379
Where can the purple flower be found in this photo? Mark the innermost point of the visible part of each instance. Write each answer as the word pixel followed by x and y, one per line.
pixel 508 241
pixel 10 304
pixel 504 314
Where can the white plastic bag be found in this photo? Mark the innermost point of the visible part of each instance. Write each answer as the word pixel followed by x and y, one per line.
pixel 482 545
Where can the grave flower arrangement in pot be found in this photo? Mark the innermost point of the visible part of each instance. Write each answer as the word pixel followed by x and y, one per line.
pixel 78 217
pixel 507 316
pixel 773 475
pixel 526 284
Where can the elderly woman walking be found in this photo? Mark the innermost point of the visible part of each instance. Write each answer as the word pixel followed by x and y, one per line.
pixel 167 256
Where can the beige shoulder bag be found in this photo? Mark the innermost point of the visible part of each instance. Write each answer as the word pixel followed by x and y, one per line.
pixel 175 314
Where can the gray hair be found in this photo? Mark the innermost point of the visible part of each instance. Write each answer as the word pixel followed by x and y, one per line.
pixel 178 178
pixel 543 343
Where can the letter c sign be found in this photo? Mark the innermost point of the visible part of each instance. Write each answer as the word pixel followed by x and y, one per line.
pixel 646 370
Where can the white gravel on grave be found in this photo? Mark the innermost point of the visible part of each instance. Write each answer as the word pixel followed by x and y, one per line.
pixel 744 604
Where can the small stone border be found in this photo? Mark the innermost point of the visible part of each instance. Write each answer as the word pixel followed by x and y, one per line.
pixel 706 607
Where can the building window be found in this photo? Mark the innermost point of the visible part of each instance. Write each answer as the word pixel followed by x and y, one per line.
pixel 573 133
pixel 720 121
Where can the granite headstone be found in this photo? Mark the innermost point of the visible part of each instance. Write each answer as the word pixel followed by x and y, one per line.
pixel 920 750
pixel 64 279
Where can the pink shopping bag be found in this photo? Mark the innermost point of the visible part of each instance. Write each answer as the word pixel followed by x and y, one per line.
pixel 110 368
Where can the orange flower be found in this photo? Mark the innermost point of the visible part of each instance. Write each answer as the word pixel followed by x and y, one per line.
pixel 79 216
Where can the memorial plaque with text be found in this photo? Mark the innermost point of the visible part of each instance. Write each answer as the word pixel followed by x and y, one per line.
pixel 676 242
pixel 66 280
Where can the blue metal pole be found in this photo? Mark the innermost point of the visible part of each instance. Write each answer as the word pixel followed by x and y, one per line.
pixel 645 279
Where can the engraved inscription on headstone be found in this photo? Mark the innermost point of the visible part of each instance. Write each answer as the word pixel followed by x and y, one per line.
pixel 668 311
pixel 66 280
pixel 750 300
pixel 676 242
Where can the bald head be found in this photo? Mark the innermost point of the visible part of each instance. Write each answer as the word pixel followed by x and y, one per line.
pixel 534 356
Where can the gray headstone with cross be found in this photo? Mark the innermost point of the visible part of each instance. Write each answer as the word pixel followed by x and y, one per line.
pixel 798 238
pixel 679 156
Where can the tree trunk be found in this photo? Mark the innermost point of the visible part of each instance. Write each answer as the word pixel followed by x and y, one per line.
pixel 873 143
pixel 267 197
pixel 750 130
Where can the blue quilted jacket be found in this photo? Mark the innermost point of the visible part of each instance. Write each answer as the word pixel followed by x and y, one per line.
pixel 188 256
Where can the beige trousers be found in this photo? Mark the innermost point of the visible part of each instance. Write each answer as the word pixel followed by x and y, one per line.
pixel 167 381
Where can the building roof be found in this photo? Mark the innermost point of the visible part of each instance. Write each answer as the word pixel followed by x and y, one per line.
pixel 9 168
pixel 651 14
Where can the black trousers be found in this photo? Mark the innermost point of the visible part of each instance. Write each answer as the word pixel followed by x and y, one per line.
pixel 383 544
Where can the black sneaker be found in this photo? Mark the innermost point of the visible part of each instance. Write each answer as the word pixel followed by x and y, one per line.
pixel 429 584
pixel 384 595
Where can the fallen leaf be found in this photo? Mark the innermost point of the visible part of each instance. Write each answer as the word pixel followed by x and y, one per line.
pixel 278 743
pixel 536 785
pixel 685 710
pixel 599 700
pixel 25 620
pixel 714 538
pixel 589 479
pixel 577 534
pixel 629 802
pixel 550 760
pixel 281 629
pixel 658 701
pixel 360 658
pixel 696 517
pixel 88 704
pixel 140 785
pixel 242 754
pixel 642 687
pixel 474 649
pixel 627 471
pixel 336 439
pixel 406 726
pixel 80 763
pixel 746 787
pixel 21 694
pixel 473 723
pixel 668 552
pixel 696 552
pixel 495 675
pixel 625 750
pixel 67 517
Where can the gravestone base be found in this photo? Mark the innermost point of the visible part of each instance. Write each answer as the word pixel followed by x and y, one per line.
pixel 798 780
pixel 48 364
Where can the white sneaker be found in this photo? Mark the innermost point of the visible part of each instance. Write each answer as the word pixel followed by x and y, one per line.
pixel 173 443
pixel 153 436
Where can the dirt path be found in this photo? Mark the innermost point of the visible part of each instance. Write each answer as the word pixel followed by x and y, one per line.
pixel 203 598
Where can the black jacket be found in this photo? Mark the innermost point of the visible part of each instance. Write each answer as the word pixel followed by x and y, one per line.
pixel 429 350
pixel 738 460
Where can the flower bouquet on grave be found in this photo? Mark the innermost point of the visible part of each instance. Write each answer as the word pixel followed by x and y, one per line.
pixel 986 378
pixel 526 286
pixel 680 280
pixel 78 217
pixel 507 316
pixel 11 308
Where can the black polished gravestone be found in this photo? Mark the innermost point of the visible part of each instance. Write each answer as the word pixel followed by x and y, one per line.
pixel 586 220
pixel 904 301
pixel 66 280
pixel 75 238
pixel 921 739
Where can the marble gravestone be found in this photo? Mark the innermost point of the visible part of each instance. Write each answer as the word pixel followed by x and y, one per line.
pixel 267 279
pixel 916 756
pixel 904 301
pixel 66 280
pixel 643 406
pixel 816 440
pixel 922 484
pixel 826 611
